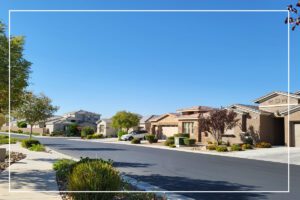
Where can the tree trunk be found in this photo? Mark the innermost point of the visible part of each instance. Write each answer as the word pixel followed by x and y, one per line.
pixel 30 131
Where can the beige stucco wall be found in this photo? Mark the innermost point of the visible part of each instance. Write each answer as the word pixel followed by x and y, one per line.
pixel 294 117
pixel 278 103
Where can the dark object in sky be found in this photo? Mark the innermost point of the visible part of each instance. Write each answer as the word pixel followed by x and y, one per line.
pixel 298 4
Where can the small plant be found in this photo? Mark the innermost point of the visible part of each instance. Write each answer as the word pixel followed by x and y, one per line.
pixel 27 143
pixel 221 148
pixel 246 146
pixel 37 147
pixel 135 141
pixel 236 147
pixel 209 142
pixel 211 147
pixel 151 138
pixel 87 130
pixel 22 124
pixel 121 133
pixel 189 142
pixel 93 176
pixel 169 141
pixel 172 145
pixel 186 135
pixel 94 136
pixel 263 145
pixel 63 168
pixel 20 131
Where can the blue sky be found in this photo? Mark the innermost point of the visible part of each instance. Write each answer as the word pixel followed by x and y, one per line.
pixel 152 63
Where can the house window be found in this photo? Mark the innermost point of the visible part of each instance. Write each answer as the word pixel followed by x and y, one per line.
pixel 188 127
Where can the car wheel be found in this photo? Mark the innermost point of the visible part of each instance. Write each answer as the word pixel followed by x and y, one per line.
pixel 130 138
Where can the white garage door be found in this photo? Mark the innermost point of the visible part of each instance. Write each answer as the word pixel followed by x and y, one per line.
pixel 169 131
pixel 297 135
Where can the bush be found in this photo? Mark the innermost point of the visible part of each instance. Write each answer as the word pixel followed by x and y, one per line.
pixel 246 146
pixel 170 141
pixel 189 142
pixel 236 147
pixel 72 130
pixel 263 145
pixel 151 138
pixel 22 124
pixel 94 136
pixel 211 147
pixel 63 168
pixel 221 148
pixel 87 130
pixel 172 145
pixel 121 133
pixel 27 143
pixel 93 176
pixel 58 133
pixel 37 147
pixel 135 141
pixel 20 131
pixel 186 135
pixel 5 140
pixel 209 142
pixel 4 136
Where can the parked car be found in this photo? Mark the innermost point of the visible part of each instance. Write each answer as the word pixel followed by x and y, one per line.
pixel 134 134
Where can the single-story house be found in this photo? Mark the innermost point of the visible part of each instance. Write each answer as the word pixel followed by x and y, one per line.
pixel 145 122
pixel 104 127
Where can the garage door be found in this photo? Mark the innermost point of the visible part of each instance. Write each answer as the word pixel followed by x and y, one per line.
pixel 168 131
pixel 297 135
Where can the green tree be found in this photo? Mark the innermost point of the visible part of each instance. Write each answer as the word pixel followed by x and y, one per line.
pixel 20 70
pixel 125 120
pixel 72 129
pixel 2 119
pixel 35 109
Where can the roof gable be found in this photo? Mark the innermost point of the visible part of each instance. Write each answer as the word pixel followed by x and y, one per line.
pixel 274 94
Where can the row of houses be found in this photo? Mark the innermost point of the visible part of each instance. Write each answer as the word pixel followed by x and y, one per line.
pixel 267 121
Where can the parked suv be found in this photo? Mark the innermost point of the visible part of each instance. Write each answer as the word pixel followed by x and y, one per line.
pixel 134 134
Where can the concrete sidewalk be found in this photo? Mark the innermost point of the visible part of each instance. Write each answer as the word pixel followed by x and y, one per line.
pixel 30 176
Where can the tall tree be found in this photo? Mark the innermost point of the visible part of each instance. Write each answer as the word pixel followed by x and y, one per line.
pixel 125 120
pixel 294 18
pixel 35 109
pixel 20 70
pixel 217 122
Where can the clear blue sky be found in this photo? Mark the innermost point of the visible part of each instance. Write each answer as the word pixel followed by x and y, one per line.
pixel 152 63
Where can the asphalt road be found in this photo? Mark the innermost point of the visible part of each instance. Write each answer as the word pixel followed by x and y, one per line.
pixel 182 171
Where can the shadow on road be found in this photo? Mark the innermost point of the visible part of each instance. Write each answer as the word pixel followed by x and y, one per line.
pixel 128 164
pixel 174 183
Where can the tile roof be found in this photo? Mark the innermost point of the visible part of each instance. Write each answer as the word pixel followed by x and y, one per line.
pixel 196 108
pixel 275 93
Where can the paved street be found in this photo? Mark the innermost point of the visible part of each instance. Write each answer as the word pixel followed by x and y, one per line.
pixel 179 171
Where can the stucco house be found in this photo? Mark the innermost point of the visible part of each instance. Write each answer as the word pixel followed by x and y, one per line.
pixel 145 123
pixel 104 127
pixel 81 118
pixel 268 120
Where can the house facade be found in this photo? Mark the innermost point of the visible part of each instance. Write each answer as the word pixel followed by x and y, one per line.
pixel 104 127
pixel 270 120
pixel 81 117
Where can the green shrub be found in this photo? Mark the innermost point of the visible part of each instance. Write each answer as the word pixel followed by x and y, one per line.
pixel 37 147
pixel 58 133
pixel 87 130
pixel 135 141
pixel 121 133
pixel 186 135
pixel 236 147
pixel 5 140
pixel 246 146
pixel 3 136
pixel 22 124
pixel 20 131
pixel 94 136
pixel 72 130
pixel 63 168
pixel 263 145
pixel 170 141
pixel 221 148
pixel 93 176
pixel 189 142
pixel 27 143
pixel 211 147
pixel 151 138
pixel 172 145
pixel 209 142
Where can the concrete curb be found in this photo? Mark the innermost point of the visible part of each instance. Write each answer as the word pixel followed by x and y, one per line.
pixel 143 186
